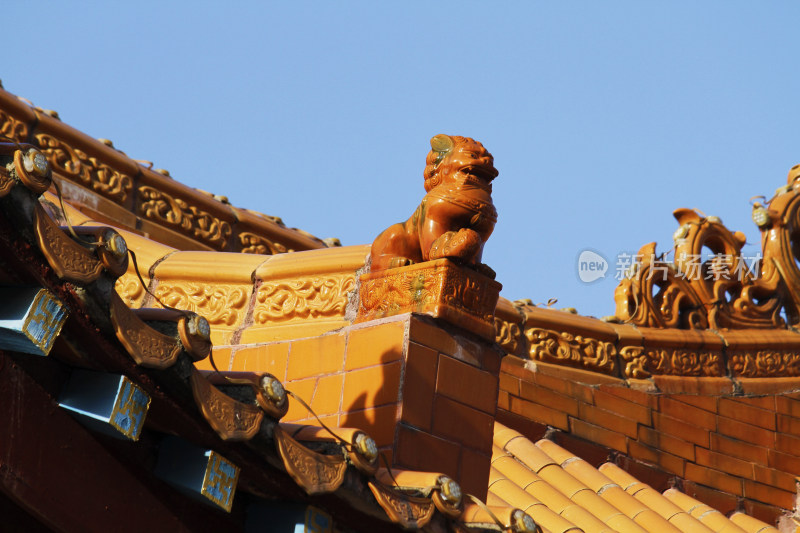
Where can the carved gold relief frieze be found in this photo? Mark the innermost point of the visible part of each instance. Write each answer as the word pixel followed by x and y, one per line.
pixel 507 334
pixel 641 362
pixel 311 297
pixel 77 166
pixel 563 347
pixel 408 511
pixel 315 472
pixel 221 305
pixel 177 213
pixel 11 128
pixel 256 244
pixel 232 420
pixel 765 363
pixel 439 288
pixel 635 361
pixel 130 289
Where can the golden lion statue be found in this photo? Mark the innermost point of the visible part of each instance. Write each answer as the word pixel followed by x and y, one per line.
pixel 456 216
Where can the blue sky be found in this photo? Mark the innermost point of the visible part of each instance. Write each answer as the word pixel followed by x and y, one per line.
pixel 603 117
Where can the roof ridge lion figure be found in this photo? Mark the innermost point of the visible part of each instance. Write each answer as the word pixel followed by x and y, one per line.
pixel 456 216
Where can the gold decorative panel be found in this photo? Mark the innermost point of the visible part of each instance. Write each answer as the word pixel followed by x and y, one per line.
pixel 439 288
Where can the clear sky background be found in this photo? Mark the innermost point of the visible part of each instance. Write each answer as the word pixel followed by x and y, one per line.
pixel 603 117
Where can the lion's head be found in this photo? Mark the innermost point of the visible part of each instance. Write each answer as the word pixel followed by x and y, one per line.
pixel 452 154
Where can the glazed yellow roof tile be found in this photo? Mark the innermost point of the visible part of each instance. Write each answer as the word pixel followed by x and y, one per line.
pixel 710 517
pixel 751 525
pixel 654 500
pixel 512 469
pixel 598 500
pixel 517 497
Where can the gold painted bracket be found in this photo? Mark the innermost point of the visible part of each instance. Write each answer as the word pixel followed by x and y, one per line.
pixel 315 472
pixel 408 511
pixel 148 347
pixel 232 420
pixel 440 289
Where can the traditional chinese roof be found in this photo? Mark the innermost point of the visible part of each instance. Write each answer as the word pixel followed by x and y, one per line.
pixel 562 492
pixel 427 394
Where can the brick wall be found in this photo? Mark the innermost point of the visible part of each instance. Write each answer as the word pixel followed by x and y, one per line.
pixel 732 443
pixel 427 395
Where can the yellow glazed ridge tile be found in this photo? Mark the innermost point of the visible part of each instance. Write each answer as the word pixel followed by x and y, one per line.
pixel 210 267
pixel 310 262
pixel 297 330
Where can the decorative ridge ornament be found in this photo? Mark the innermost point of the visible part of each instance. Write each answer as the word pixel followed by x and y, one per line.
pixel 431 263
pixel 724 290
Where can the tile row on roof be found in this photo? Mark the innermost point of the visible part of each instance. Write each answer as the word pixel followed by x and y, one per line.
pixel 564 493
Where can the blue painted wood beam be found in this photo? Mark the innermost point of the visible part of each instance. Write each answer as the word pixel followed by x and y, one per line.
pixel 110 403
pixel 30 319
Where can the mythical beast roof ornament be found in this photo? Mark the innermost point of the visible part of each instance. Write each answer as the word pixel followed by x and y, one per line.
pixel 431 263
pixel 456 216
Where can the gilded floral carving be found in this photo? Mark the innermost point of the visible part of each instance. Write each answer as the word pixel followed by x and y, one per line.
pixel 765 363
pixel 177 213
pixel 12 128
pixel 221 305
pixel 88 171
pixel 256 244
pixel 439 288
pixel 302 298
pixel 635 362
pixel 641 363
pixel 507 334
pixel 563 347
pixel 130 289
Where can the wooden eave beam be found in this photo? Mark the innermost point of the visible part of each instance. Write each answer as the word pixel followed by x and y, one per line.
pixel 71 480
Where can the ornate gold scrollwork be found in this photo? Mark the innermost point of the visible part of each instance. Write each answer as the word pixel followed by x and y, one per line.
pixel 310 297
pixel 725 283
pixel 177 213
pixel 77 166
pixel 12 128
pixel 563 347
pixel 507 334
pixel 765 363
pixel 723 290
pixel 780 242
pixel 221 305
pixel 655 295
pixel 256 244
